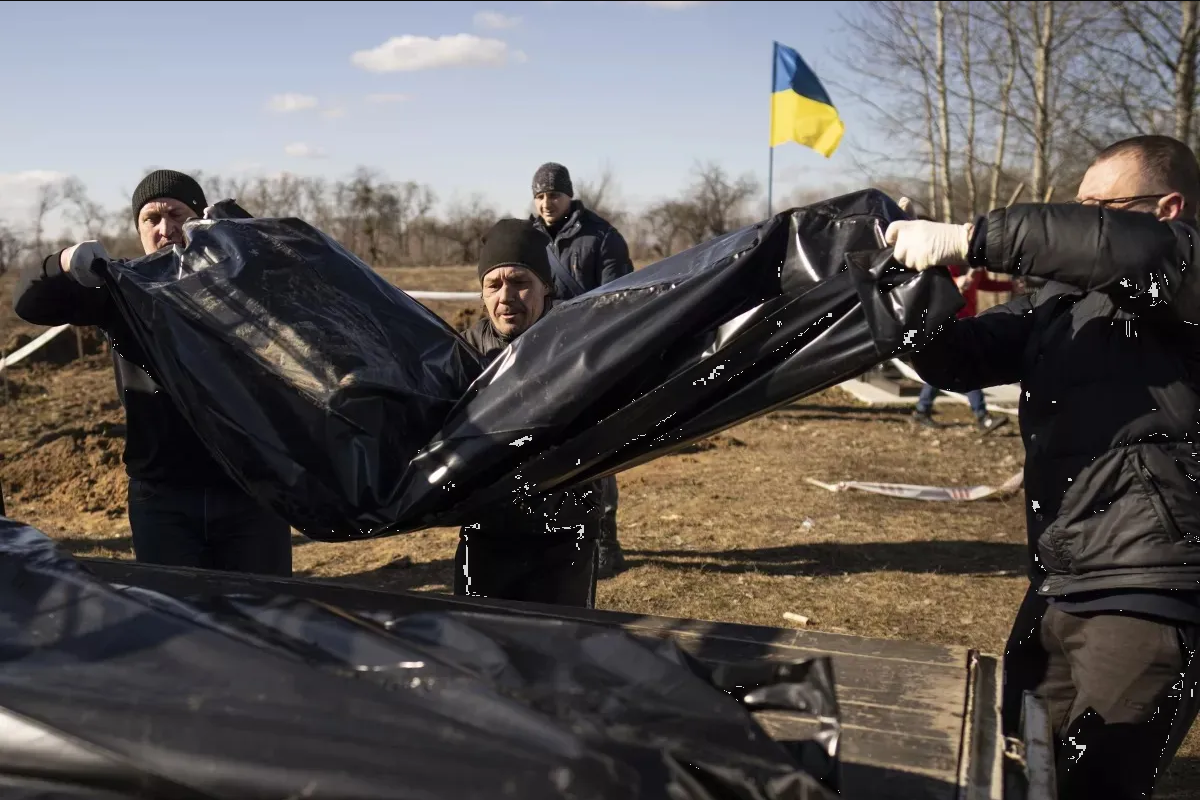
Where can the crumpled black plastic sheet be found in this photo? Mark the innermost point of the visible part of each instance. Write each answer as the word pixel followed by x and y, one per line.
pixel 312 379
pixel 117 692
pixel 354 412
pixel 677 352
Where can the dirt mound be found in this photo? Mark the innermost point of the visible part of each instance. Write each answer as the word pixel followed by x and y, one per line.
pixel 13 387
pixel 69 471
pixel 64 348
pixel 721 441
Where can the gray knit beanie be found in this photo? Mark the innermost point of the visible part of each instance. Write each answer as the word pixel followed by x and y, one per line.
pixel 551 177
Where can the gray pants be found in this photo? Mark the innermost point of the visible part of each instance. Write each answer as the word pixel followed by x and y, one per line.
pixel 1122 692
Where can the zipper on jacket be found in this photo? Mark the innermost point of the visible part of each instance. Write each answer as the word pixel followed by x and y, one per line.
pixel 1160 506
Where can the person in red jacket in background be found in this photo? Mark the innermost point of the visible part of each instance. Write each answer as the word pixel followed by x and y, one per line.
pixel 970 282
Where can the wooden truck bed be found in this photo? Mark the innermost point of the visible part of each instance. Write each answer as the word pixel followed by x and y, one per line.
pixel 919 720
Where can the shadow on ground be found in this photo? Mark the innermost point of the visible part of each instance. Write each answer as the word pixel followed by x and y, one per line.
pixel 832 558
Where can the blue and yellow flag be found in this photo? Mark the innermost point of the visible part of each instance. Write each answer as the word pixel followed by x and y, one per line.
pixel 801 111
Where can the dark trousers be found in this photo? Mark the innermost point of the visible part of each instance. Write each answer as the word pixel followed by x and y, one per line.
pixel 207 529
pixel 1122 692
pixel 530 569
pixel 608 502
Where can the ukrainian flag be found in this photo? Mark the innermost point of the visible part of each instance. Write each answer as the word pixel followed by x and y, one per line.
pixel 801 111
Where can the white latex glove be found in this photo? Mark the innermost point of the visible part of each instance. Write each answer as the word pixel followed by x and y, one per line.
pixel 919 245
pixel 77 261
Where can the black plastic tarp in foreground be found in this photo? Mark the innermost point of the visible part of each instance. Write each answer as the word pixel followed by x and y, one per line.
pixel 328 396
pixel 118 692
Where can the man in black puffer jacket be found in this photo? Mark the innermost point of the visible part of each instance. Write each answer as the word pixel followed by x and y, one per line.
pixel 542 550
pixel 1107 352
pixel 590 252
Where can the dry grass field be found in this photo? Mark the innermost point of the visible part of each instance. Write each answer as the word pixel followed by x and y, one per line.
pixel 729 530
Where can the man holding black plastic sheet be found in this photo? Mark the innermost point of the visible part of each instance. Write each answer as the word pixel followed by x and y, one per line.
pixel 184 510
pixel 1107 352
pixel 543 549
pixel 586 252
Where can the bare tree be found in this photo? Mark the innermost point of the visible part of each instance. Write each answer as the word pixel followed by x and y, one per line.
pixel 598 195
pixel 11 249
pixel 672 224
pixel 719 200
pixel 48 198
pixel 85 212
pixel 898 35
pixel 963 13
pixel 466 223
pixel 1143 61
pixel 939 23
pixel 1005 64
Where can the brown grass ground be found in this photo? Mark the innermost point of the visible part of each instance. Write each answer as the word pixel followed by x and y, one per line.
pixel 730 531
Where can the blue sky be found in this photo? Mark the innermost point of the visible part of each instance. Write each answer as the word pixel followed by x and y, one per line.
pixel 95 90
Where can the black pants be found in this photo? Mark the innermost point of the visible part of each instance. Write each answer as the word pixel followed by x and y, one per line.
pixel 530 569
pixel 207 529
pixel 1122 692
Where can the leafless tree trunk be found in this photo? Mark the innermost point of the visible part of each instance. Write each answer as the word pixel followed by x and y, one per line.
pixel 1185 70
pixel 87 213
pixel 1005 105
pixel 969 159
pixel 1042 12
pixel 939 21
pixel 49 196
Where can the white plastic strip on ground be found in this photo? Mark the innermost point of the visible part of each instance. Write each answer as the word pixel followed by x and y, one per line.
pixel 908 491
pixel 912 375
pixel 22 352
pixel 36 344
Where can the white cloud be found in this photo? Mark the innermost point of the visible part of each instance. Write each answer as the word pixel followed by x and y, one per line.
pixel 494 20
pixel 379 99
pixel 411 53
pixel 674 5
pixel 302 150
pixel 30 179
pixel 289 102
pixel 19 192
pixel 333 113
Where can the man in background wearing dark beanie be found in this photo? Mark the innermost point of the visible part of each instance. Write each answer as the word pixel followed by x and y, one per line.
pixel 184 509
pixel 541 549
pixel 593 253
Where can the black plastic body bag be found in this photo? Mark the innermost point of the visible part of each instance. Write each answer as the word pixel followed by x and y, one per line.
pixel 392 428
pixel 114 692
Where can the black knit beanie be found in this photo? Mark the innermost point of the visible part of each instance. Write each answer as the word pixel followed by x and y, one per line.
pixel 516 243
pixel 551 177
pixel 169 183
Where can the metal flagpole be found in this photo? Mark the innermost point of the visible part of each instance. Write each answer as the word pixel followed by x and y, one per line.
pixel 770 127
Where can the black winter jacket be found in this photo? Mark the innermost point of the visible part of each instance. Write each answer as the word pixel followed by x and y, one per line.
pixel 160 445
pixel 589 247
pixel 573 514
pixel 1107 354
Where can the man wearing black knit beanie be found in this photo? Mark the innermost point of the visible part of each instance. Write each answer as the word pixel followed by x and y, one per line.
pixel 589 252
pixel 184 509
pixel 543 549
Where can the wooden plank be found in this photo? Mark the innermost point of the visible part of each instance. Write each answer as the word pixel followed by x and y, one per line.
pixel 177 580
pixel 882 766
pixel 981 765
